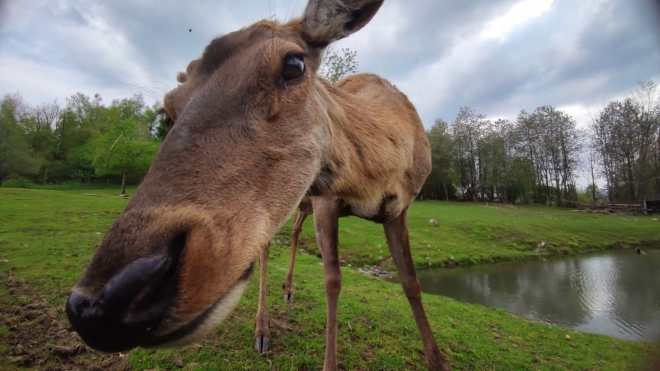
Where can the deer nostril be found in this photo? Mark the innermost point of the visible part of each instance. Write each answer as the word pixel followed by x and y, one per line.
pixel 135 300
pixel 123 288
pixel 77 305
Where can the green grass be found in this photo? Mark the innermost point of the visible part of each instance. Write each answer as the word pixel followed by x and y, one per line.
pixel 473 233
pixel 48 237
pixel 21 182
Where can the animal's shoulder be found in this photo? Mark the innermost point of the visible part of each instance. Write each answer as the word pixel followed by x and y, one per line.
pixel 365 82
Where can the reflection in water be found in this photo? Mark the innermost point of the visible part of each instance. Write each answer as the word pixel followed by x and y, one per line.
pixel 615 293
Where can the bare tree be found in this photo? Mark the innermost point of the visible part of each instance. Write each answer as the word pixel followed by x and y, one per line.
pixel 627 136
pixel 592 174
pixel 466 132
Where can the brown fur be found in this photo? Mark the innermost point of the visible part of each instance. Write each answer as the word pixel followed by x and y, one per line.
pixel 304 210
pixel 247 146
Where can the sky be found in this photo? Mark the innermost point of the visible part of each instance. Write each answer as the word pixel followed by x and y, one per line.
pixel 496 56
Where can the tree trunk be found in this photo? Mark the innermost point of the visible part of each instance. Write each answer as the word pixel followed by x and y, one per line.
pixel 444 182
pixel 593 192
pixel 558 192
pixel 59 140
pixel 123 182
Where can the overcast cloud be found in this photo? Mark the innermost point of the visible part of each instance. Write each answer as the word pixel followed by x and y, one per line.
pixel 496 56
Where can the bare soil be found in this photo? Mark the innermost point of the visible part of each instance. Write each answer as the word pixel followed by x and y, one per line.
pixel 39 337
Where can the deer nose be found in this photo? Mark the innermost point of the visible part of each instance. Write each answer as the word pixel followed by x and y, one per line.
pixel 130 306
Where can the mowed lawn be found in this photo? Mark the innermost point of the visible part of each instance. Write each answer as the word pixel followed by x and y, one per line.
pixel 48 237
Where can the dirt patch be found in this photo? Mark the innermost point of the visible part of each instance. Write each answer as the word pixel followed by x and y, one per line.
pixel 280 327
pixel 511 238
pixel 40 336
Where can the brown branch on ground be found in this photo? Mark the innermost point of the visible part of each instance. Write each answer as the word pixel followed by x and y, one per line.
pixel 617 209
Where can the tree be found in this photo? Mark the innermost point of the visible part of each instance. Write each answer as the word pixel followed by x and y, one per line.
pixel 16 157
pixel 85 139
pixel 646 99
pixel 501 144
pixel 528 148
pixel 439 183
pixel 335 66
pixel 626 135
pixel 561 142
pixel 123 151
pixel 591 173
pixel 39 124
pixel 466 131
pixel 549 139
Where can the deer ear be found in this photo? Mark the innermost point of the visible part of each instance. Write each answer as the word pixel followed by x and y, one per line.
pixel 325 21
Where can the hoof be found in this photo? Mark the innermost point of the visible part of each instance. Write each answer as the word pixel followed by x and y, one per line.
pixel 288 298
pixel 261 344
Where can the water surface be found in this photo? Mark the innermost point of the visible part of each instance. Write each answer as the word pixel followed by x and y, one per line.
pixel 615 293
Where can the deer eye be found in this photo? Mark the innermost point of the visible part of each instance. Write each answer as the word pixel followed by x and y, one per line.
pixel 293 68
pixel 168 121
pixel 166 118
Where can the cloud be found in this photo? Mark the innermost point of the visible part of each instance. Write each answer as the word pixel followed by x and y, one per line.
pixel 46 83
pixel 518 14
pixel 571 54
pixel 497 56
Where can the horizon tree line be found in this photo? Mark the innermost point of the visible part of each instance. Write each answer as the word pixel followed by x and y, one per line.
pixel 85 140
pixel 537 158
pixel 81 141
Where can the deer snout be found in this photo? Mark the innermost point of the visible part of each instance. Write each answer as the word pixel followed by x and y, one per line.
pixel 131 306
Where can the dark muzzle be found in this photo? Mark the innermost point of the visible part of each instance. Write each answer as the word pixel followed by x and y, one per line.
pixel 131 306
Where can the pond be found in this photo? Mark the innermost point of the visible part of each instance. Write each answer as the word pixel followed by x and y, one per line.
pixel 614 293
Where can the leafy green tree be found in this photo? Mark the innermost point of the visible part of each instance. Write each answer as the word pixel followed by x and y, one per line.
pixel 16 157
pixel 84 118
pixel 39 124
pixel 439 183
pixel 123 151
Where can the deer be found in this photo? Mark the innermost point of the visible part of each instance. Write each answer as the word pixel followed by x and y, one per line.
pixel 254 130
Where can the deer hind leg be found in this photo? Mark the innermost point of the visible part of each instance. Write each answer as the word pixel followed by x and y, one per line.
pixel 396 232
pixel 288 281
pixel 261 330
pixel 326 225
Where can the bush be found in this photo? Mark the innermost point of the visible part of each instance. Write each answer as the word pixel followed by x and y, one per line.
pixel 74 185
pixel 17 182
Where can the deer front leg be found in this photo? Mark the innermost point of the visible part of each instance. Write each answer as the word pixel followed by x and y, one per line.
pixel 396 232
pixel 326 226
pixel 288 281
pixel 261 331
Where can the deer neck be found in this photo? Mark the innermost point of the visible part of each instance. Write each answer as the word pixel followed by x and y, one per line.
pixel 350 167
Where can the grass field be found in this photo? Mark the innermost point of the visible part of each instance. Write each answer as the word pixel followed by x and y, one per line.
pixel 48 236
pixel 470 233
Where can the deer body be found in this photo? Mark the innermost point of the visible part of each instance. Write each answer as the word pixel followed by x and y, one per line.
pixel 254 130
pixel 379 155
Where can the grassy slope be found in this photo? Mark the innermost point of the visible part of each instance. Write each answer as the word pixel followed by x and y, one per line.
pixel 48 236
pixel 476 233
